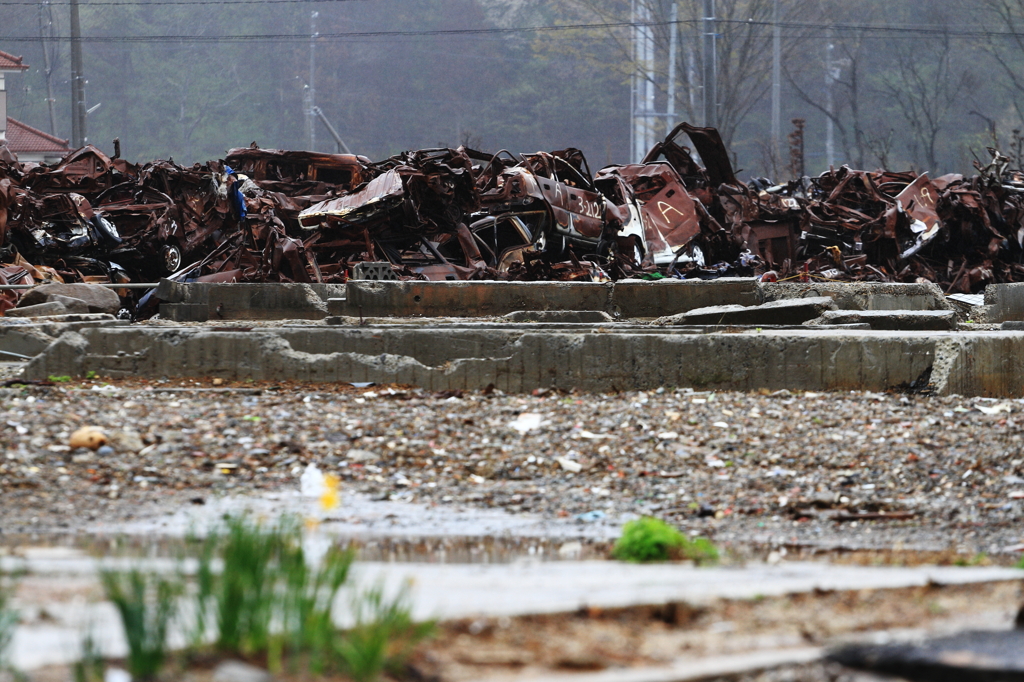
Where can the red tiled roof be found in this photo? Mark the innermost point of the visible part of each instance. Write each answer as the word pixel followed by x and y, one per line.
pixel 25 138
pixel 8 62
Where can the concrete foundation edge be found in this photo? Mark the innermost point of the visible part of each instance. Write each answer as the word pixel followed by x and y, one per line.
pixel 521 361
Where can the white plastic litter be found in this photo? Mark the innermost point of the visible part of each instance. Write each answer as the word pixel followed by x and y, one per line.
pixel 311 484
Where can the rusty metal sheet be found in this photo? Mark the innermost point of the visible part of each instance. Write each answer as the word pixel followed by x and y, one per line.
pixel 919 199
pixel 299 173
pixel 669 214
pixel 378 197
pixel 709 145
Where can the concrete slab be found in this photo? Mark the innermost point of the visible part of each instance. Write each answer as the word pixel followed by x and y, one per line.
pixel 516 358
pixel 627 298
pixel 688 669
pixel 67 321
pixel 892 319
pixel 456 591
pixel 71 305
pixel 863 295
pixel 30 336
pixel 657 298
pixel 270 302
pixel 468 299
pixel 563 316
pixel 1003 303
pixel 201 301
pixel 786 311
pixel 185 312
pixel 27 340
pixel 38 310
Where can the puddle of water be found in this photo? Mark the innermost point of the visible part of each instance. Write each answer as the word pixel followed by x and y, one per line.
pixel 431 550
pixel 471 549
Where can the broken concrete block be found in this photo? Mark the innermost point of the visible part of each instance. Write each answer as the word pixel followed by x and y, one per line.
pixel 790 311
pixel 908 320
pixel 38 310
pixel 863 295
pixel 171 291
pixel 99 299
pixel 22 341
pixel 73 305
pixel 563 316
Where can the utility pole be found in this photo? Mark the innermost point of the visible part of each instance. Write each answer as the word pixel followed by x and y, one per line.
pixel 633 80
pixel 648 81
pixel 710 67
pixel 45 22
pixel 78 130
pixel 673 47
pixel 642 111
pixel 311 91
pixel 339 143
pixel 776 82
pixel 830 77
pixel 643 80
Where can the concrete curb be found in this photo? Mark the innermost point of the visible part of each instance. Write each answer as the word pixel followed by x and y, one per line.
pixel 589 358
pixel 626 298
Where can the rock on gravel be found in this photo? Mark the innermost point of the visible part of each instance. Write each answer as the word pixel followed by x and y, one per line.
pixel 98 299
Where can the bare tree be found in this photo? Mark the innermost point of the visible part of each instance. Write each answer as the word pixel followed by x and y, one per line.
pixel 744 47
pixel 925 85
pixel 1006 47
pixel 849 88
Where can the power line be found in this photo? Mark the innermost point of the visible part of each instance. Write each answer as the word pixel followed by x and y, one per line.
pixel 287 37
pixel 183 3
pixel 807 30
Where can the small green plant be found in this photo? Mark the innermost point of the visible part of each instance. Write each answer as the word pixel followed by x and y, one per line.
pixel 383 636
pixel 306 603
pixel 266 601
pixel 59 379
pixel 91 666
pixel 651 539
pixel 91 374
pixel 146 603
pixel 266 580
pixel 979 559
pixel 243 592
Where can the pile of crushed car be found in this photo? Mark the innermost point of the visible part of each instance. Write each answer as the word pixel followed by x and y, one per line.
pixel 264 215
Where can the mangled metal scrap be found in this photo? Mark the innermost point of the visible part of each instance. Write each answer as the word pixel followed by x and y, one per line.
pixel 295 173
pixel 412 214
pixel 903 227
pixel 442 214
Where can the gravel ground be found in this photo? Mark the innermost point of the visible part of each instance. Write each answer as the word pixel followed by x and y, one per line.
pixel 847 470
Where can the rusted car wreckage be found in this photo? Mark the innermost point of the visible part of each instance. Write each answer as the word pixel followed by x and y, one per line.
pixel 263 215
